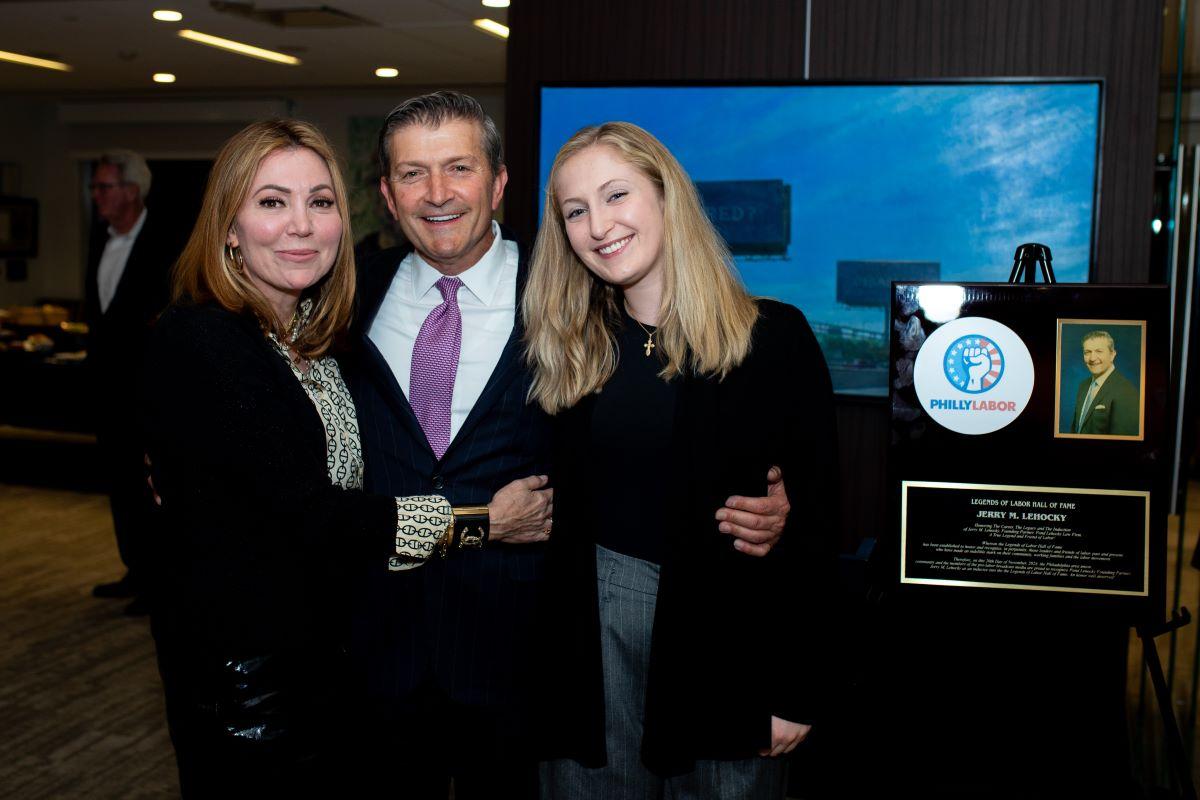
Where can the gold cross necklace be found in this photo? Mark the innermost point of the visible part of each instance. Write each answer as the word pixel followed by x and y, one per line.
pixel 649 345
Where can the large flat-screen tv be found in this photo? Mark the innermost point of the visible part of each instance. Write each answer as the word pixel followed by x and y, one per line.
pixel 826 193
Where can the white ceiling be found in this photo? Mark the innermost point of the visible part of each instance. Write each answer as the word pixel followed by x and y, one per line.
pixel 115 45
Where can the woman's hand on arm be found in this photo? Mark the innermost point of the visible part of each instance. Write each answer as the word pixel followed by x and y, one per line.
pixel 522 512
pixel 785 736
pixel 756 523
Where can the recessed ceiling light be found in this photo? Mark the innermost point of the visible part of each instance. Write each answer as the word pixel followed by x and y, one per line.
pixel 238 47
pixel 492 27
pixel 30 61
pixel 386 72
pixel 166 15
pixel 496 3
pixel 164 77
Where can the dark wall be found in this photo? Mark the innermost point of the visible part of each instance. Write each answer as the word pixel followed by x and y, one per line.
pixel 629 40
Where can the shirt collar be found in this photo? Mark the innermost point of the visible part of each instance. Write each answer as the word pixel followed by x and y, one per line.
pixel 481 280
pixel 1100 379
pixel 133 232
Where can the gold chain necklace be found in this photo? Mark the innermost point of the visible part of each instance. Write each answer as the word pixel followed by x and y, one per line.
pixel 649 345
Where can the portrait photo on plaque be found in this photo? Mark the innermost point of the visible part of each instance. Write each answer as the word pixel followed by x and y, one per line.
pixel 1100 379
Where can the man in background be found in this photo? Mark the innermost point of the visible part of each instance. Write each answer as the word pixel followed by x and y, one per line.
pixel 127 286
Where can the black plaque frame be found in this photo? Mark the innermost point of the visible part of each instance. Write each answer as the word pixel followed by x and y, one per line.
pixel 1026 453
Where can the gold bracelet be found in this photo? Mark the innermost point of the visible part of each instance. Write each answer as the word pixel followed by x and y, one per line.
pixel 471 527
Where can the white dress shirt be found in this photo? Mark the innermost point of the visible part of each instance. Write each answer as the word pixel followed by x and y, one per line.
pixel 113 260
pixel 487 302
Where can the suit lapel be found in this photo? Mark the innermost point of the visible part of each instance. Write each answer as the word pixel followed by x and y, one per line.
pixel 1080 397
pixel 378 371
pixel 375 278
pixel 506 369
pixel 509 365
pixel 1087 412
pixel 1101 399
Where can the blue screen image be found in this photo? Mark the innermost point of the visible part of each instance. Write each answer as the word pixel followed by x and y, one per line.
pixel 827 193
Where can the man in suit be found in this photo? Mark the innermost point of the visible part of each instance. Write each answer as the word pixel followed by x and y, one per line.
pixel 444 650
pixel 127 285
pixel 1106 403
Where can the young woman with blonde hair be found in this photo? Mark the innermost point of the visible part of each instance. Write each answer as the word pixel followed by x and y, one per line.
pixel 677 665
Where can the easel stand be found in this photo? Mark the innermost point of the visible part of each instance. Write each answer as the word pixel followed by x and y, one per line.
pixel 1028 260
pixel 1148 633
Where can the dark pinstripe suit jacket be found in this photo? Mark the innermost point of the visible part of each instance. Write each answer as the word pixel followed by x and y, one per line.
pixel 464 624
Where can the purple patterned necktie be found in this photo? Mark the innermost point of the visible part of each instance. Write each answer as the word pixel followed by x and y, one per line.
pixel 434 364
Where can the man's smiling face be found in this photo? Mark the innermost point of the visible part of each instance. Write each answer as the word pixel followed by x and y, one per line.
pixel 1098 355
pixel 442 192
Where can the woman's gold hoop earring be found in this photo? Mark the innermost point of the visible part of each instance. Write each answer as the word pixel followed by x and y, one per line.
pixel 234 256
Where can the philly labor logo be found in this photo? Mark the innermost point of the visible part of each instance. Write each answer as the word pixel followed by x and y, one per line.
pixel 974 363
pixel 973 375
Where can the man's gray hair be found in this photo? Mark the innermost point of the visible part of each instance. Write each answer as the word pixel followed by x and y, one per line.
pixel 132 168
pixel 432 110
pixel 1099 335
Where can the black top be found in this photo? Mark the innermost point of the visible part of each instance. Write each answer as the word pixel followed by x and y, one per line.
pixel 720 612
pixel 255 535
pixel 629 449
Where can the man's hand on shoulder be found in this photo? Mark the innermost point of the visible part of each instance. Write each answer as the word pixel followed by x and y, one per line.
pixel 756 523
pixel 522 512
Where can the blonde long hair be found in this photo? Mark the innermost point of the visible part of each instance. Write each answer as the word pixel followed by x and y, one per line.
pixel 208 271
pixel 706 316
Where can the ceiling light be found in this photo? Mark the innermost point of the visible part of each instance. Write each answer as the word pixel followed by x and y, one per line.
pixel 496 3
pixel 386 72
pixel 164 77
pixel 30 61
pixel 165 15
pixel 238 47
pixel 492 27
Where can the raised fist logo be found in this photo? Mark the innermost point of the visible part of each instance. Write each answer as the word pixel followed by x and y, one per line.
pixel 974 363
pixel 979 363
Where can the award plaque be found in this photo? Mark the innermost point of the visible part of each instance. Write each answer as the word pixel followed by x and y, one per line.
pixel 1029 439
pixel 1026 537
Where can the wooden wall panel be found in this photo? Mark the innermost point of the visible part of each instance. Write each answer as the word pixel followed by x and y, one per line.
pixel 632 40
pixel 628 40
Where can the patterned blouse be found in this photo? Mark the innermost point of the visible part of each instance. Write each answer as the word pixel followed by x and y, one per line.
pixel 420 519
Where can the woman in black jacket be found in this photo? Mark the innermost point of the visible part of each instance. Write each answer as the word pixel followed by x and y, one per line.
pixel 256 455
pixel 673 389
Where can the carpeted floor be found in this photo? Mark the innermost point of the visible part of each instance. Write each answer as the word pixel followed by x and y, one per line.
pixel 81 712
